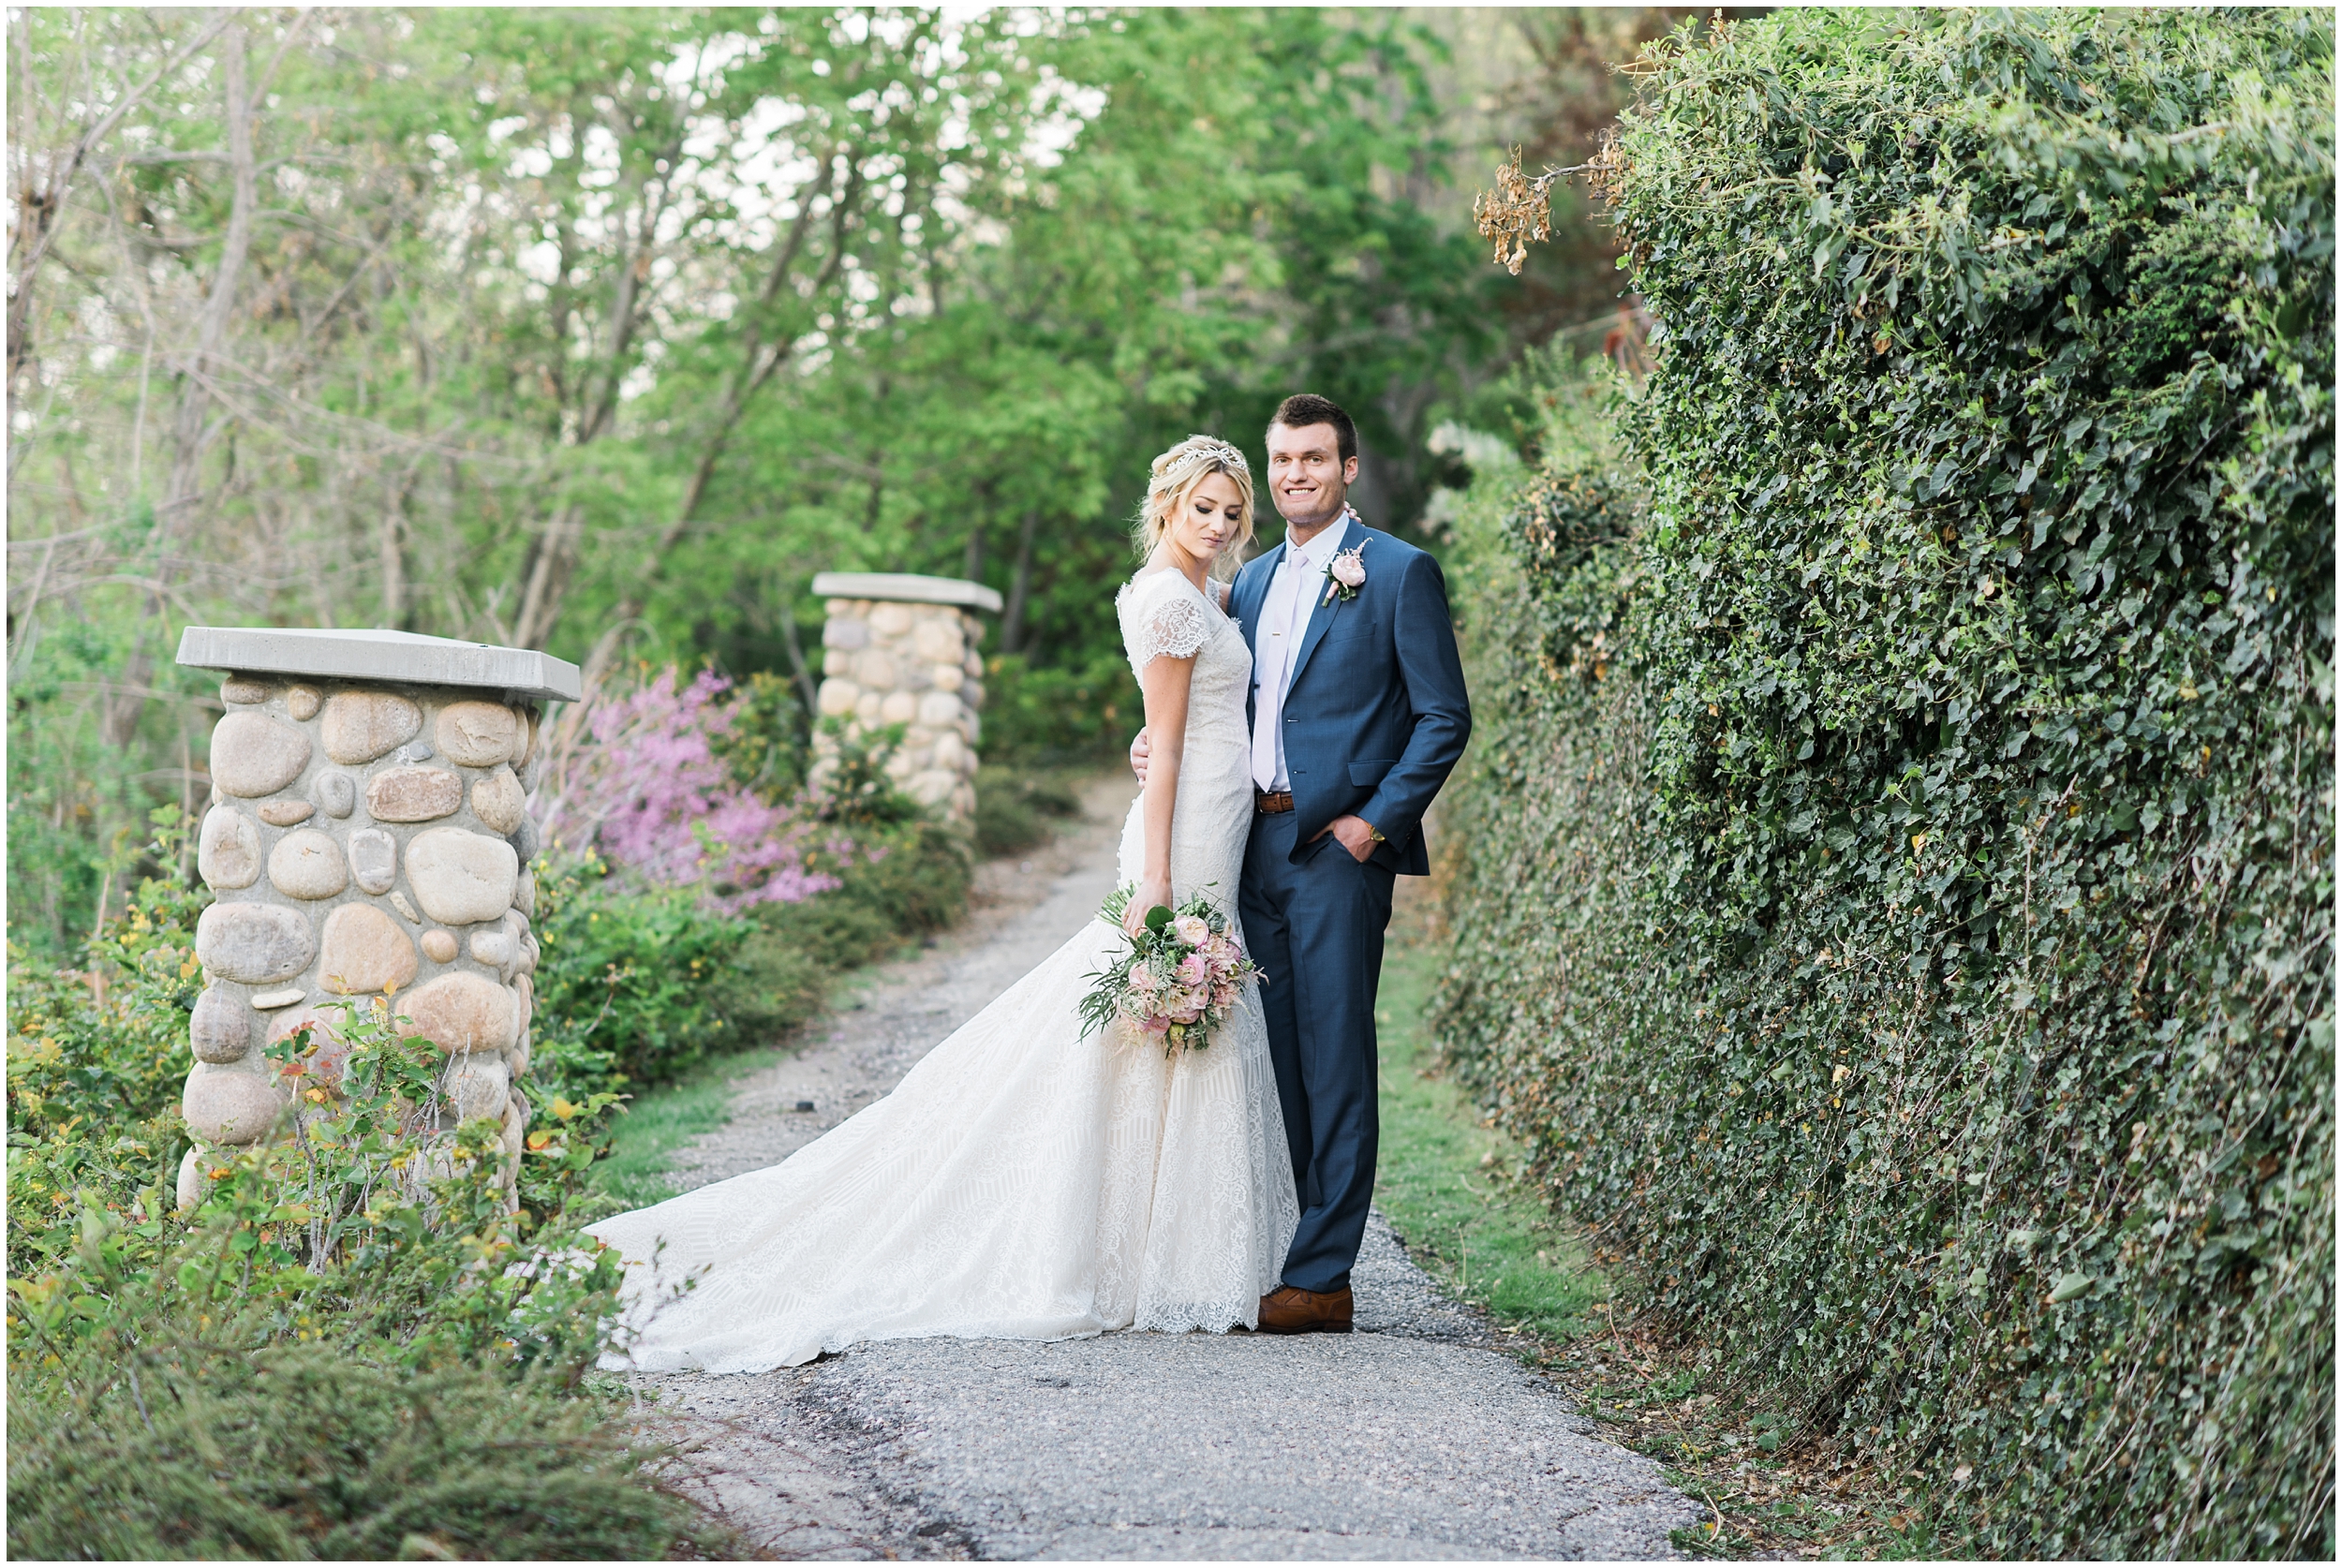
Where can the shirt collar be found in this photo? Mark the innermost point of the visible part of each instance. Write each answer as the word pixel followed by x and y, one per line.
pixel 1320 549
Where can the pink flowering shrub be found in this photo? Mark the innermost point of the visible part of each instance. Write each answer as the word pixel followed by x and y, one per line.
pixel 638 776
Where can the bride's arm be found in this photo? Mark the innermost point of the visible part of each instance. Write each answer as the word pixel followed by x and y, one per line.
pixel 1165 685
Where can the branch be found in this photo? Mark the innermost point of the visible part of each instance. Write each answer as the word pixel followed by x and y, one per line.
pixel 39 213
pixel 757 366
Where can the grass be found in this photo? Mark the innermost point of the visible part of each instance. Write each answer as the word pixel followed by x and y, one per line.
pixel 666 1117
pixel 633 1174
pixel 1444 1180
pixel 1448 1181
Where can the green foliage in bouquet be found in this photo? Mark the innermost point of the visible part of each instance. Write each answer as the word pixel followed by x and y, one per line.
pixel 1895 877
pixel 1178 978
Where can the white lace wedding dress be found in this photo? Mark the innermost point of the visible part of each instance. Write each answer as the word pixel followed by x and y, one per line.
pixel 1025 1180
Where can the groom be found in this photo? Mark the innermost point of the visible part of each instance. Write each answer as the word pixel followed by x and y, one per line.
pixel 1359 715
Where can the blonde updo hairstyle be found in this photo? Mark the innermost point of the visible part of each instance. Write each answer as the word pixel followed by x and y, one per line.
pixel 1173 479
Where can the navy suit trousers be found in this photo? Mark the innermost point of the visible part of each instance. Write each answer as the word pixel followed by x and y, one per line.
pixel 1314 924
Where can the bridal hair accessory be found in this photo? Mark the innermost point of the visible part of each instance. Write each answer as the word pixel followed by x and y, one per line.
pixel 1345 574
pixel 1200 452
pixel 1178 979
pixel 1174 476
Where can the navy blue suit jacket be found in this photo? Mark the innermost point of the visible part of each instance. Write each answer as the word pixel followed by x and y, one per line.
pixel 1376 717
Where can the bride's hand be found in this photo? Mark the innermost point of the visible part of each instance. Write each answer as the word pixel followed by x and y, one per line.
pixel 1152 892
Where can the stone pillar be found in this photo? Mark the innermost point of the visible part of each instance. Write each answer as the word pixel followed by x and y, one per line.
pixel 901 650
pixel 366 833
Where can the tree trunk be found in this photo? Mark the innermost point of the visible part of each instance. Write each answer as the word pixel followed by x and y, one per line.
pixel 392 542
pixel 1019 586
pixel 552 559
pixel 806 690
pixel 550 563
pixel 758 364
pixel 192 436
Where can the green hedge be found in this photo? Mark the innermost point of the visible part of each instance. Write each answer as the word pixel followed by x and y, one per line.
pixel 1894 893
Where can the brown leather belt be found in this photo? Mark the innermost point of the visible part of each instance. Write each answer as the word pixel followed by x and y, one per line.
pixel 1272 803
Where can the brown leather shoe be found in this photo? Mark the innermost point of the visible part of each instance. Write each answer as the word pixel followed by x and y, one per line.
pixel 1290 1309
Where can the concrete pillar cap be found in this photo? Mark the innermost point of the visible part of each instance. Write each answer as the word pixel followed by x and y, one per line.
pixel 904 587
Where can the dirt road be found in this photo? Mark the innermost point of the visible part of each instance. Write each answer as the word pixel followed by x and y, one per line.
pixel 1411 1439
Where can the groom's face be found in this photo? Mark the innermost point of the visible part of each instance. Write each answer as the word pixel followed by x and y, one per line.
pixel 1309 478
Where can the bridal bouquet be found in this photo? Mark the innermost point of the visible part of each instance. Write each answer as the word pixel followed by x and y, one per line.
pixel 1178 979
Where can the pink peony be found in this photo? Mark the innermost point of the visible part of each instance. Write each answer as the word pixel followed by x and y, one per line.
pixel 1195 970
pixel 1192 930
pixel 1349 570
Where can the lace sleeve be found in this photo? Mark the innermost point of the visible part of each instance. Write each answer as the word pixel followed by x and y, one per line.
pixel 1163 624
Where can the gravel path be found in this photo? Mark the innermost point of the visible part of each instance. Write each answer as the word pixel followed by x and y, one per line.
pixel 1412 1439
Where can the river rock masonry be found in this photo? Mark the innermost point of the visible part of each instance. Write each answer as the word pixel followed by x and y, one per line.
pixel 901 649
pixel 365 840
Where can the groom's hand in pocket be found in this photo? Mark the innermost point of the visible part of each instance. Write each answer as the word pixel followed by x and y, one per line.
pixel 1139 748
pixel 1355 833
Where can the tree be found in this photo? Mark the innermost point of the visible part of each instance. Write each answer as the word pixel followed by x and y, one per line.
pixel 604 332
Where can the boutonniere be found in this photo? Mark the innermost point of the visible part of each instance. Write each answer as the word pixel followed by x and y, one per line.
pixel 1345 574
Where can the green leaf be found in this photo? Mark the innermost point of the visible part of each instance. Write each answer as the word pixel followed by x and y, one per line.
pixel 2068 1286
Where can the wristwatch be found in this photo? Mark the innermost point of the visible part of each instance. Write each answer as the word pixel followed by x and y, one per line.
pixel 1375 833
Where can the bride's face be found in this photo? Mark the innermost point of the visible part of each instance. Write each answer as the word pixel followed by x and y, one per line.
pixel 1212 520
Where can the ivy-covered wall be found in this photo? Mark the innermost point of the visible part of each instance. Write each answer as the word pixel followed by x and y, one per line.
pixel 1894 887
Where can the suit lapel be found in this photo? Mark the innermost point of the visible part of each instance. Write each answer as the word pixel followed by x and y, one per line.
pixel 1248 606
pixel 1246 601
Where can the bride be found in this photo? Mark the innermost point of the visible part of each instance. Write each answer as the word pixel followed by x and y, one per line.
pixel 1028 1180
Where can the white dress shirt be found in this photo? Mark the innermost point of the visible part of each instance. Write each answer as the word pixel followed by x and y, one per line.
pixel 1294 590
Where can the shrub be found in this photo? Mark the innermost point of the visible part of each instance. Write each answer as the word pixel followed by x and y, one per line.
pixel 656 783
pixel 1015 808
pixel 1896 897
pixel 352 1346
pixel 302 1451
pixel 763 745
pixel 1071 713
pixel 906 881
pixel 624 977
pixel 916 877
pixel 271 1374
pixel 853 786
pixel 108 1041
